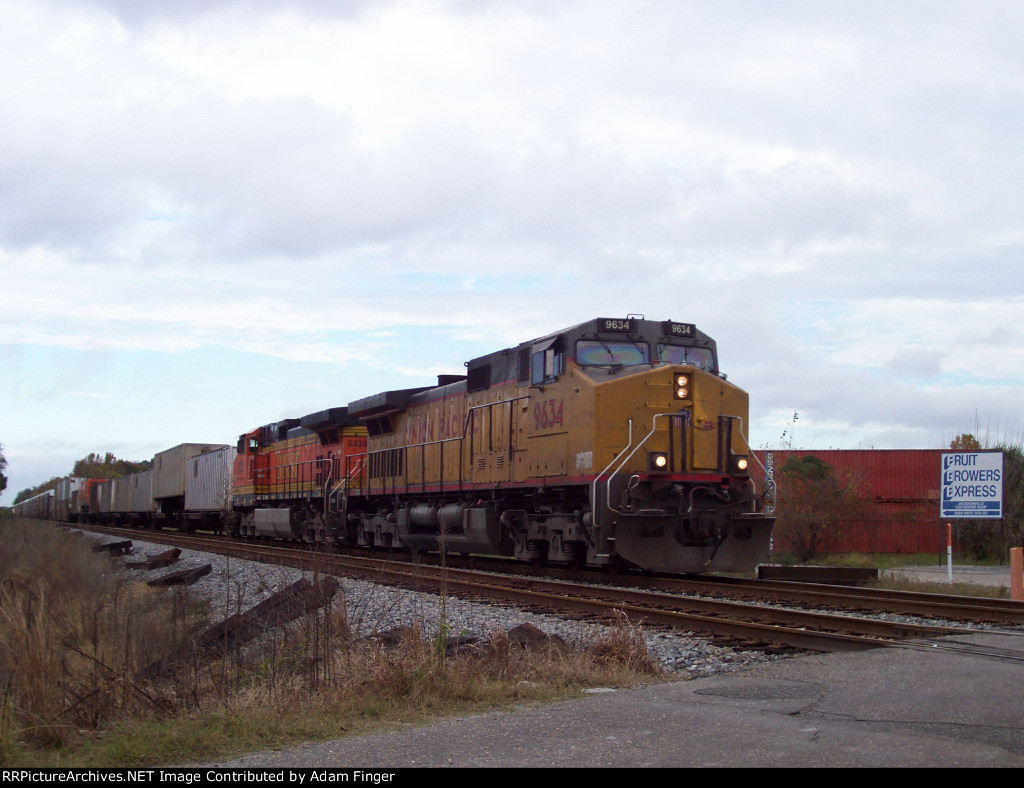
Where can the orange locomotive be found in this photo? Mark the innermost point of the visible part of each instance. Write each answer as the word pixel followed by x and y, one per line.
pixel 286 475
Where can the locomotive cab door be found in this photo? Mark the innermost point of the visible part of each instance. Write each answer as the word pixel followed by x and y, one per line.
pixel 542 421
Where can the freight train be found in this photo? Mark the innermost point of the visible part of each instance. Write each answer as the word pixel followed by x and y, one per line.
pixel 613 443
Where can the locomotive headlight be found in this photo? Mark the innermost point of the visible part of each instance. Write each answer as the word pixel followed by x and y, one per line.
pixel 657 461
pixel 682 386
pixel 740 463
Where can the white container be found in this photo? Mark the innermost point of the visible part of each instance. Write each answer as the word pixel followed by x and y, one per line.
pixel 141 492
pixel 169 469
pixel 208 480
pixel 121 495
pixel 105 496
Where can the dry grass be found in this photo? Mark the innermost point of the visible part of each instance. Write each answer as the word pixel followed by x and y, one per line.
pixel 897 582
pixel 956 588
pixel 76 640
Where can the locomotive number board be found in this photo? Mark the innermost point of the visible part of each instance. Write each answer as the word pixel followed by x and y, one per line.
pixel 688 330
pixel 618 325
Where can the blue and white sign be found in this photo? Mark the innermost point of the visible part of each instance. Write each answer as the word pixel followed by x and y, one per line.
pixel 972 485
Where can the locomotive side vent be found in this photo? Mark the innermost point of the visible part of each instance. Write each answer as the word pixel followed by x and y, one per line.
pixel 524 364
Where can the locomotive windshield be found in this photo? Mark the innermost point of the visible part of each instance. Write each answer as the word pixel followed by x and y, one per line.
pixel 695 356
pixel 598 353
pixel 591 353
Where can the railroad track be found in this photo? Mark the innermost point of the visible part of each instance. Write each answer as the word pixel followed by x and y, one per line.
pixel 982 610
pixel 985 649
pixel 739 623
pixel 947 607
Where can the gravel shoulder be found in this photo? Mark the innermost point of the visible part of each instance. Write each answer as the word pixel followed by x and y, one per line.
pixel 235 585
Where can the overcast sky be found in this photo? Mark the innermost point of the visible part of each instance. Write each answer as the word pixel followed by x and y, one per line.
pixel 218 213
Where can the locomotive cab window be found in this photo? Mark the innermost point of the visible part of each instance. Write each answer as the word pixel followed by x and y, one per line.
pixel 546 362
pixel 695 356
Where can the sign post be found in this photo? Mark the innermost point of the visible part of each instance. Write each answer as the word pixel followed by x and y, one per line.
pixel 1017 573
pixel 972 489
pixel 949 552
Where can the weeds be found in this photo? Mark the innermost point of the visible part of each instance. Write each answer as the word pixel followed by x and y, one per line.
pixel 77 642
pixel 896 582
pixel 901 583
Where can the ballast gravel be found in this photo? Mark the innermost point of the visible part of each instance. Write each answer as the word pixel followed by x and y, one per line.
pixel 234 585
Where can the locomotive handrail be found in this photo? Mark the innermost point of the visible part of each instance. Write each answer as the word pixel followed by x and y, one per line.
pixel 769 476
pixel 629 456
pixel 490 433
pixel 608 483
pixel 770 485
pixel 468 424
pixel 344 482
pixel 593 503
pixel 264 472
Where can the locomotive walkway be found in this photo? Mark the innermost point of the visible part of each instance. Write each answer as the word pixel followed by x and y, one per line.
pixel 888 707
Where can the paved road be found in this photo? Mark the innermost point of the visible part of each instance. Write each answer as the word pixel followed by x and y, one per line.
pixel 893 707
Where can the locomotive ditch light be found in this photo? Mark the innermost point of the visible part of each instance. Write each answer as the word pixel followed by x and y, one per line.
pixel 657 461
pixel 740 463
pixel 682 386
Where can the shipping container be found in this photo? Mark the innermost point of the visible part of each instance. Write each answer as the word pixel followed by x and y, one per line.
pixel 101 499
pixel 62 499
pixel 208 480
pixel 39 506
pixel 121 495
pixel 900 488
pixel 169 474
pixel 141 492
pixel 83 500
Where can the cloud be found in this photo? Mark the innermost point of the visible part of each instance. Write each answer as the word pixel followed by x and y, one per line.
pixel 358 195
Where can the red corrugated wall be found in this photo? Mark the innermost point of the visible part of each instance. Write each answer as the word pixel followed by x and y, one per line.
pixel 901 487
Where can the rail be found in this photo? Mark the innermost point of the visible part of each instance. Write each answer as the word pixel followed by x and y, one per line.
pixel 724 446
pixel 341 489
pixel 770 486
pixel 628 457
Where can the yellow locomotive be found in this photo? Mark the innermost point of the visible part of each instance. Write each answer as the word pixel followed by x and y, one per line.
pixel 616 442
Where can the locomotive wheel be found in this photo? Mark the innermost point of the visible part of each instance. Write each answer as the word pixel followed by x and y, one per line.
pixel 578 555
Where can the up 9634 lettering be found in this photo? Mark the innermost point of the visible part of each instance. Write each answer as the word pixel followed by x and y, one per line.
pixel 615 442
